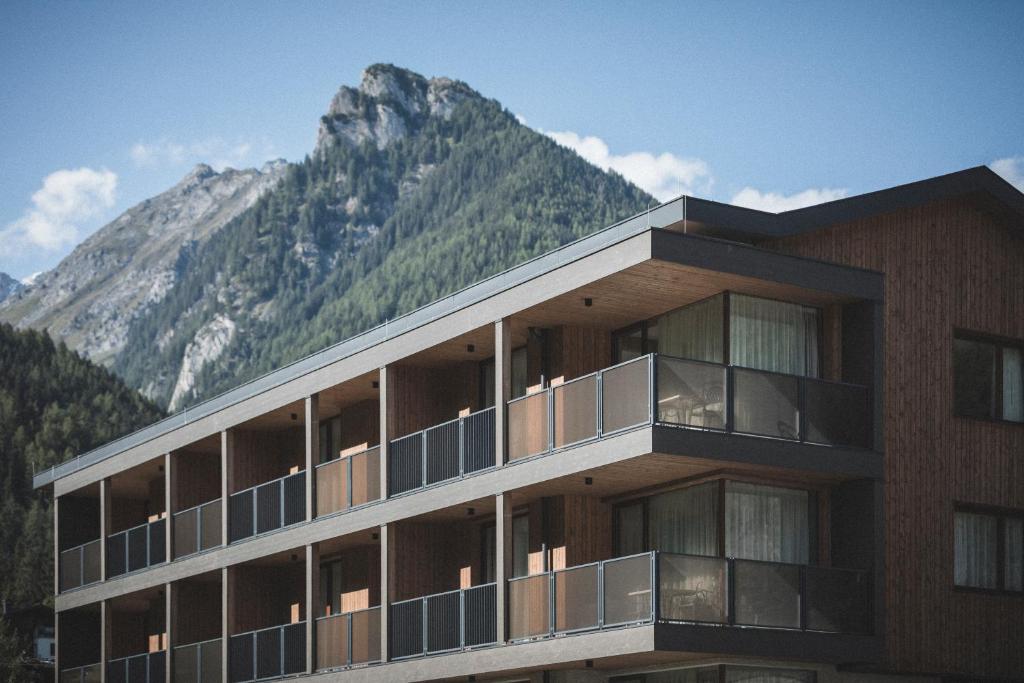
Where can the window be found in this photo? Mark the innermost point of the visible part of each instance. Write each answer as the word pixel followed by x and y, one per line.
pixel 988 550
pixel 726 673
pixel 489 544
pixel 520 546
pixel 330 439
pixel 519 378
pixel 988 378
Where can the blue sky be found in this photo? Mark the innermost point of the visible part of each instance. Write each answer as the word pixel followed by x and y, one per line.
pixel 765 104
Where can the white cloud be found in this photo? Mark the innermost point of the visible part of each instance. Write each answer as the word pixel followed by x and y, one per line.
pixel 67 199
pixel 216 152
pixel 663 175
pixel 1011 169
pixel 777 203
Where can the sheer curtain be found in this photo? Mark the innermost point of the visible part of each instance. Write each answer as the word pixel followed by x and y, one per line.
pixel 766 523
pixel 1014 569
pixel 745 675
pixel 693 332
pixel 685 521
pixel 974 550
pixel 1013 385
pixel 773 335
pixel 706 674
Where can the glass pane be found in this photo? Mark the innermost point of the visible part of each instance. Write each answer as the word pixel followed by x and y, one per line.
pixel 210 661
pixel 332 487
pixel 186 532
pixel 575 411
pixel 576 598
pixel 519 372
pixel 490 553
pixel 210 525
pixel 837 600
pixel 70 569
pixel 694 331
pixel 704 674
pixel 766 523
pixel 975 545
pixel 773 335
pixel 442 448
pixel 692 588
pixel 520 545
pixel 91 673
pixel 684 521
pixel 974 368
pixel 628 344
pixel 1013 385
pixel 765 404
pixel 767 594
pixel 837 414
pixel 1014 569
pixel 629 525
pixel 366 636
pixel 691 393
pixel 366 476
pixel 626 399
pixel 91 562
pixel 185 662
pixel 528 607
pixel 627 590
pixel 528 426
pixel 332 642
pixel 757 675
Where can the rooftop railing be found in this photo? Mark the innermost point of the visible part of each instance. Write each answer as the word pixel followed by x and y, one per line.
pixel 443 622
pixel 348 639
pixel 442 452
pixel 267 653
pixel 80 566
pixel 90 673
pixel 137 548
pixel 348 482
pixel 149 667
pixel 198 528
pixel 266 507
pixel 197 662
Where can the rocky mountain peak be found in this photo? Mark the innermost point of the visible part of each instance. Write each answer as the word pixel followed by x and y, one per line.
pixel 8 286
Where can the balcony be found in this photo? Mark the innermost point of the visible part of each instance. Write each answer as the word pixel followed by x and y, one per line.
pixel 267 507
pixel 440 453
pixel 81 674
pixel 198 529
pixel 667 587
pixel 693 394
pixel 267 653
pixel 148 667
pixel 348 481
pixel 80 566
pixel 137 548
pixel 348 639
pixel 443 622
pixel 197 662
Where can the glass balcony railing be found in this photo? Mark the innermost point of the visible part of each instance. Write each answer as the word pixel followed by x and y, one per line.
pixel 266 507
pixel 149 667
pixel 197 662
pixel 267 653
pixel 80 566
pixel 348 482
pixel 674 391
pixel 198 529
pixel 137 548
pixel 348 639
pixel 442 452
pixel 89 673
pixel 444 622
pixel 688 588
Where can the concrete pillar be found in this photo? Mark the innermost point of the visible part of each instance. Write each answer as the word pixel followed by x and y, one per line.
pixel 384 433
pixel 226 620
pixel 387 561
pixel 170 490
pixel 502 385
pixel 105 517
pixel 312 423
pixel 503 559
pixel 170 614
pixel 312 599
pixel 227 472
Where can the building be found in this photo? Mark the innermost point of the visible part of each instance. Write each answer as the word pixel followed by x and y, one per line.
pixel 731 446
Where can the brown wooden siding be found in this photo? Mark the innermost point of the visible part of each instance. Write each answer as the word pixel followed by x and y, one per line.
pixel 197 477
pixel 262 597
pixel 435 557
pixel 421 397
pixel 261 456
pixel 196 611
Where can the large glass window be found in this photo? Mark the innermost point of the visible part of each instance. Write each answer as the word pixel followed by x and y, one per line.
pixel 685 521
pixel 693 332
pixel 520 546
pixel 773 335
pixel 988 378
pixel 766 523
pixel 330 439
pixel 988 550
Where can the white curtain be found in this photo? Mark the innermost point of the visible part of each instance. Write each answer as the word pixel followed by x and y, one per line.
pixel 706 674
pixel 773 335
pixel 1014 569
pixel 766 523
pixel 693 332
pixel 974 550
pixel 685 521
pixel 745 675
pixel 1013 385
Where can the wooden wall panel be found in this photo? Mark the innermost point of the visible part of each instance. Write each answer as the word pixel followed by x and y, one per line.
pixel 577 351
pixel 360 575
pixel 947 265
pixel 136 632
pixel 198 479
pixel 435 557
pixel 262 456
pixel 79 521
pixel 197 615
pixel 264 596
pixel 84 647
pixel 423 397
pixel 360 423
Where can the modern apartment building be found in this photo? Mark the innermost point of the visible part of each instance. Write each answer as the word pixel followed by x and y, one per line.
pixel 704 444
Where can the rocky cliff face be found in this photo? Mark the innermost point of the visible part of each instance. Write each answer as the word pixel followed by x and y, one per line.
pixel 8 286
pixel 91 298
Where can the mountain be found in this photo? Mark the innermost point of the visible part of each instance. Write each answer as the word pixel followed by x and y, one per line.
pixel 416 187
pixel 8 286
pixel 53 404
pixel 91 298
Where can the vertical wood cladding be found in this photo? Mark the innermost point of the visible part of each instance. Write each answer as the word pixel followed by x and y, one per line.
pixel 947 265
pixel 196 611
pixel 423 397
pixel 360 577
pixel 198 479
pixel 262 456
pixel 577 351
pixel 360 423
pixel 138 629
pixel 262 597
pixel 435 557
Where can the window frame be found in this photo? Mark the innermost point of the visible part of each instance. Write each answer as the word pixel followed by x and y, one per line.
pixel 999 343
pixel 1001 514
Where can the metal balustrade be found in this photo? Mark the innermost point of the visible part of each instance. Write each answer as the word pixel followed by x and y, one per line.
pixel 267 653
pixel 266 507
pixel 137 548
pixel 348 482
pixel 90 673
pixel 671 587
pixel 443 622
pixel 197 529
pixel 440 453
pixel 80 566
pixel 197 662
pixel 688 393
pixel 148 667
pixel 348 639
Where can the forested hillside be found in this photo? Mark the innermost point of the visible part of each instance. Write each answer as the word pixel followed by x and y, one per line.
pixel 53 405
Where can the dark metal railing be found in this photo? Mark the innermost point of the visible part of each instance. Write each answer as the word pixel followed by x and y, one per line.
pixel 80 566
pixel 198 528
pixel 442 452
pixel 148 667
pixel 267 507
pixel 267 653
pixel 348 639
pixel 348 482
pixel 197 662
pixel 90 673
pixel 443 622
pixel 137 548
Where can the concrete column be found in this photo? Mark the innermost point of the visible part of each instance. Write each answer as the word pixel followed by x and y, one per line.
pixel 502 385
pixel 105 517
pixel 170 490
pixel 227 475
pixel 226 620
pixel 387 560
pixel 503 559
pixel 384 434
pixel 105 639
pixel 312 595
pixel 172 624
pixel 312 422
